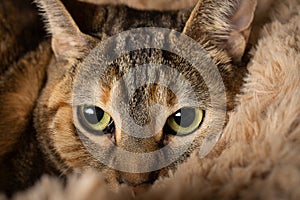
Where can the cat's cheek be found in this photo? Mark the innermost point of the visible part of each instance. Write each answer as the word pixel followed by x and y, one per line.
pixel 73 152
pixel 65 140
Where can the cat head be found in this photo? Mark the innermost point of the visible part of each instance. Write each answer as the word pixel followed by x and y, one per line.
pixel 114 110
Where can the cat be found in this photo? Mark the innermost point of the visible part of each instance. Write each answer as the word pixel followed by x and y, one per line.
pixel 57 127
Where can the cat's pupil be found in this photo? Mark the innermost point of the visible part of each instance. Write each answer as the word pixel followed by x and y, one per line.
pixel 93 114
pixel 185 117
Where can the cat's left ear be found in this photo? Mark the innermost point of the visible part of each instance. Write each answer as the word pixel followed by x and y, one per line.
pixel 68 42
pixel 224 25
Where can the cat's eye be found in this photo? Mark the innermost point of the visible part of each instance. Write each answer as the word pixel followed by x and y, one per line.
pixel 185 120
pixel 94 118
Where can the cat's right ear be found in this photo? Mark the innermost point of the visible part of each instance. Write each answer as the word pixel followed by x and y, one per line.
pixel 68 42
pixel 222 26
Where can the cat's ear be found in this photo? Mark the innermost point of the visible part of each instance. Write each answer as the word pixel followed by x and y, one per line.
pixel 224 25
pixel 68 42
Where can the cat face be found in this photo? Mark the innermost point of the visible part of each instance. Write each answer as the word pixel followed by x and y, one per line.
pixel 144 112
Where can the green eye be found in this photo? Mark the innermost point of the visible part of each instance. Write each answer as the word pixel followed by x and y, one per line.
pixel 94 118
pixel 185 120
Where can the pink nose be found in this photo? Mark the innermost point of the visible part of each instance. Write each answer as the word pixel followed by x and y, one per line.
pixel 139 182
pixel 141 188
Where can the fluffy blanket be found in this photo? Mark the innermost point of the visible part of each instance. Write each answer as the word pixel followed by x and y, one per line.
pixel 257 156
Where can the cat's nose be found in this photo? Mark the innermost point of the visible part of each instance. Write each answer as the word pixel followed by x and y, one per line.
pixel 141 188
pixel 137 188
pixel 139 182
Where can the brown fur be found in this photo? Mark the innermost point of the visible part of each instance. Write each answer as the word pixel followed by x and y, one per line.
pixel 258 155
pixel 14 28
pixel 150 5
pixel 53 141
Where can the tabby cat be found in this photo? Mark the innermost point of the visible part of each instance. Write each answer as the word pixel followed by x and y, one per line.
pixel 56 106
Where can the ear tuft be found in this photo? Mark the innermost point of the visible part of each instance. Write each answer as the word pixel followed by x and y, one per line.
pixel 68 42
pixel 225 25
